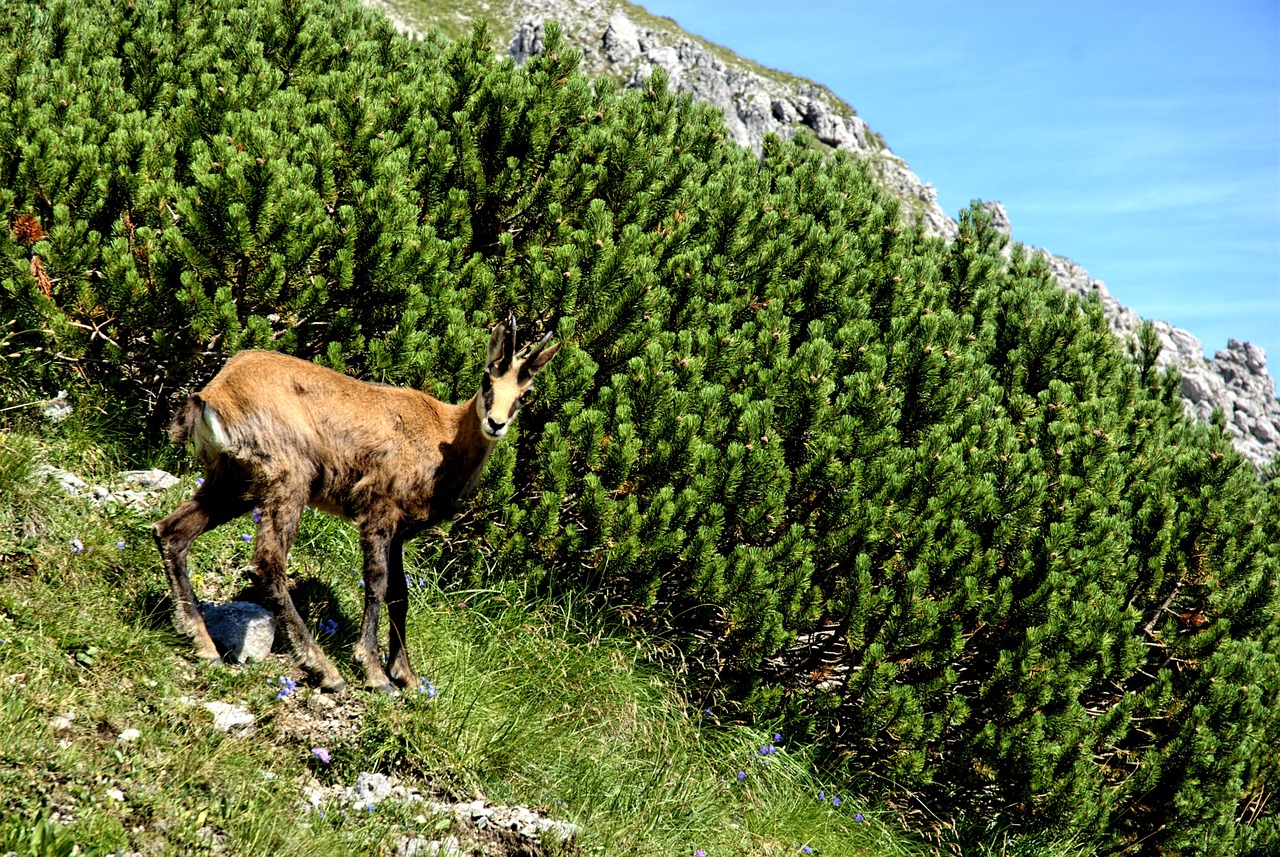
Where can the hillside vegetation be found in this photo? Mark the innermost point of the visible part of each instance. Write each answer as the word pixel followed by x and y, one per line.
pixel 905 498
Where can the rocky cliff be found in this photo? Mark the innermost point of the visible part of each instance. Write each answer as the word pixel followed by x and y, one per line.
pixel 623 41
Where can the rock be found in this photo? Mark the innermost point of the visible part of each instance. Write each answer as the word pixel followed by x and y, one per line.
pixel 58 408
pixel 66 480
pixel 63 722
pixel 149 480
pixel 227 716
pixel 477 823
pixel 243 632
pixel 137 489
pixel 621 39
pixel 369 790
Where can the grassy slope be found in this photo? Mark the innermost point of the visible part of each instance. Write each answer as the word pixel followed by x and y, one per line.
pixel 535 706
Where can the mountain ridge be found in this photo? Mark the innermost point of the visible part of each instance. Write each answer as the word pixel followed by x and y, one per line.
pixel 625 42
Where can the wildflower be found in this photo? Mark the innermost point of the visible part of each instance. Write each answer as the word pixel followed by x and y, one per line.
pixel 822 795
pixel 120 545
pixel 700 853
pixel 806 849
pixel 77 546
pixel 425 686
pixel 322 754
pixel 777 736
pixel 835 801
pixel 257 516
pixel 199 481
pixel 857 816
pixel 742 775
pixel 246 537
pixel 328 626
pixel 287 687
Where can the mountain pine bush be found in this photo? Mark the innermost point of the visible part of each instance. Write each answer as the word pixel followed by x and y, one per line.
pixel 908 497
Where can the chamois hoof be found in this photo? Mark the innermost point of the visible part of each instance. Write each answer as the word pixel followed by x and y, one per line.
pixel 385 688
pixel 335 686
pixel 214 660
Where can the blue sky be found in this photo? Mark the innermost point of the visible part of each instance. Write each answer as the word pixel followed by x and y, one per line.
pixel 1141 139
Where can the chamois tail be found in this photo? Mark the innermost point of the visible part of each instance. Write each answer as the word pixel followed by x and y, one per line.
pixel 198 423
pixel 184 422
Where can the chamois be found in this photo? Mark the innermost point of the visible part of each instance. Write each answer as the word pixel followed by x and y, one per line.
pixel 280 433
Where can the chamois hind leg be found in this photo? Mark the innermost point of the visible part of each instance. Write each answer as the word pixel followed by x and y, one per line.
pixel 276 530
pixel 398 666
pixel 223 496
pixel 376 542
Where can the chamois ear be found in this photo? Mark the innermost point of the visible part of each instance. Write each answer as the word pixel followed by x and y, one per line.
pixel 502 345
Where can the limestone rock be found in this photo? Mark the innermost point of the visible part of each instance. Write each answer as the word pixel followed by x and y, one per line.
pixel 243 632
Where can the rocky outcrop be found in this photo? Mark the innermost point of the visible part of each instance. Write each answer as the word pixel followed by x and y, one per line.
pixel 1235 380
pixel 622 41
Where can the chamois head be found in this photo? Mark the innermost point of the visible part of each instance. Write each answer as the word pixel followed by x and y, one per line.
pixel 508 375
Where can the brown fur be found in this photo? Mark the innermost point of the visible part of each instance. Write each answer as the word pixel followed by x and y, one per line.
pixel 281 433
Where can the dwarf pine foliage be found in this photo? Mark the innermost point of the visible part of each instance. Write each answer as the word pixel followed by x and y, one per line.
pixel 906 497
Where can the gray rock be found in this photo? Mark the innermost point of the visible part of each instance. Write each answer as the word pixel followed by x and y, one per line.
pixel 65 479
pixel 58 408
pixel 244 632
pixel 226 716
pixel 149 480
pixel 621 39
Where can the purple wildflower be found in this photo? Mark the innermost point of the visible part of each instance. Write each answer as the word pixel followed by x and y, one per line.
pixel 700 853
pixel 257 516
pixel 822 795
pixel 322 754
pixel 77 546
pixel 742 775
pixel 777 736
pixel 857 816
pixel 287 687
pixel 246 537
pixel 328 626
pixel 425 686
pixel 835 801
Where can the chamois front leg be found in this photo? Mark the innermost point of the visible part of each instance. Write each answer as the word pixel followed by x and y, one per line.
pixel 376 543
pixel 220 499
pixel 398 666
pixel 276 531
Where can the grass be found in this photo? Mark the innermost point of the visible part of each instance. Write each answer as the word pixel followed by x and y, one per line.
pixel 537 704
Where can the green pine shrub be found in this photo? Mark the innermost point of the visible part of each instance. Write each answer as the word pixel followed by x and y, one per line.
pixel 910 499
